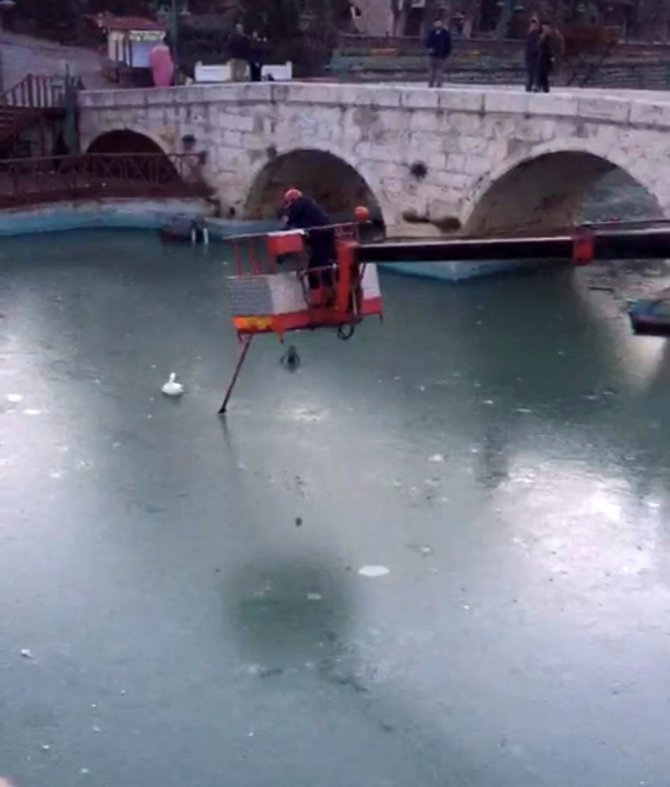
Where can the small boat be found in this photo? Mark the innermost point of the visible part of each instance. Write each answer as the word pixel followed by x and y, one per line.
pixel 185 229
pixel 651 316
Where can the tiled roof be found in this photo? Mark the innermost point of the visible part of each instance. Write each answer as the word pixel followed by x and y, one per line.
pixel 111 22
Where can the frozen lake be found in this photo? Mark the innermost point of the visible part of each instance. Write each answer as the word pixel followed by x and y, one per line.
pixel 186 591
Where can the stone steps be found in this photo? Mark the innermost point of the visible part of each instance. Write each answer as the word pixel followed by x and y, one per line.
pixel 614 72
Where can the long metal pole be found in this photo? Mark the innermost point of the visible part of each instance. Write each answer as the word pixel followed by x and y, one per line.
pixel 174 35
pixel 608 244
pixel 246 343
pixel 483 249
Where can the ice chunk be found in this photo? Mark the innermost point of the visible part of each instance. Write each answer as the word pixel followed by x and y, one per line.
pixel 373 571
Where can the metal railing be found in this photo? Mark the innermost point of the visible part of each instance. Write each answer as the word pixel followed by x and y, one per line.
pixel 36 92
pixel 253 257
pixel 30 100
pixel 31 181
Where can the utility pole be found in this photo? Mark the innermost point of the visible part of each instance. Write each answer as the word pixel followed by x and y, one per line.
pixel 169 15
pixel 174 37
pixel 506 10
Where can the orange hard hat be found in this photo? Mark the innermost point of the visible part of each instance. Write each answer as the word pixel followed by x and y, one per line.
pixel 292 195
pixel 362 214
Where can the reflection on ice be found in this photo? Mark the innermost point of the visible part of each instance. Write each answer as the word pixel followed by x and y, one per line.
pixel 306 415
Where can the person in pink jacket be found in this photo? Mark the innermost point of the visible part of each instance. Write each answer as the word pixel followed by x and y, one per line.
pixel 162 65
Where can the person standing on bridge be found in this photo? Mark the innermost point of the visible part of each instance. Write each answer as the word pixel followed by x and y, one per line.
pixel 256 57
pixel 161 64
pixel 238 50
pixel 438 44
pixel 532 54
pixel 545 57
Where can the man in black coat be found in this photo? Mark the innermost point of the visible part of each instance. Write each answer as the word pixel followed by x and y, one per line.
pixel 438 44
pixel 545 57
pixel 238 50
pixel 256 57
pixel 303 213
pixel 532 53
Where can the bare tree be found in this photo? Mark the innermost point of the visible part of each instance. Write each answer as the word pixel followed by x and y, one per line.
pixel 471 12
pixel 506 11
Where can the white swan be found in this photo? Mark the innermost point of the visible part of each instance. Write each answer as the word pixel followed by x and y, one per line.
pixel 172 387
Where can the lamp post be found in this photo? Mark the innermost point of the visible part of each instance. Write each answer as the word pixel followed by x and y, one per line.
pixel 5 7
pixel 170 15
pixel 174 35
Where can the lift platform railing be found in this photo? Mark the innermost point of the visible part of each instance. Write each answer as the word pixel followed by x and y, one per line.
pixel 288 251
pixel 254 254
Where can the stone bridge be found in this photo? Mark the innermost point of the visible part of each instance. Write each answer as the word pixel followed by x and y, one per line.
pixel 479 159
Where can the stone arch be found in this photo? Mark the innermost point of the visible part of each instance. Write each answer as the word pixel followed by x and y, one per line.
pixel 134 156
pixel 545 191
pixel 329 179
pixel 124 140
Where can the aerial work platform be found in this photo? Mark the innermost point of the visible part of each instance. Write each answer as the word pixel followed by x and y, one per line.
pixel 275 290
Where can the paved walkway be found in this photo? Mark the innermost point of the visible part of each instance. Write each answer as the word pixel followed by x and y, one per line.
pixel 559 90
pixel 21 55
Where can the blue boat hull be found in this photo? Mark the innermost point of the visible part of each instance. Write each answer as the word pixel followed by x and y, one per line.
pixel 651 316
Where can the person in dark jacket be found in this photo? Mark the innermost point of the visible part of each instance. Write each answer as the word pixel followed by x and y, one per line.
pixel 256 57
pixel 545 57
pixel 238 51
pixel 531 54
pixel 303 213
pixel 438 44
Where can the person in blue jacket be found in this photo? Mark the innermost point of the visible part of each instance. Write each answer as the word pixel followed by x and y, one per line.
pixel 438 44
